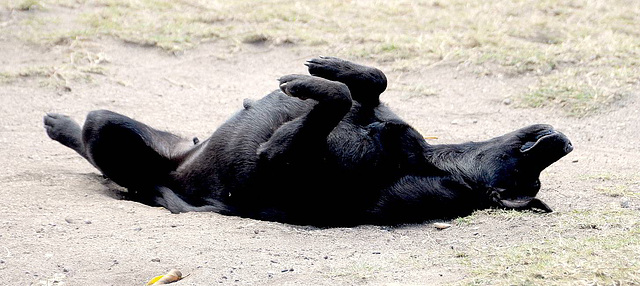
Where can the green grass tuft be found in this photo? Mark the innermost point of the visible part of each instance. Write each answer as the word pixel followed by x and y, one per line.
pixel 27 5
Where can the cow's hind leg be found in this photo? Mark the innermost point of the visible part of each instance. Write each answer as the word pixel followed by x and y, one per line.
pixel 63 129
pixel 176 204
pixel 129 152
pixel 126 151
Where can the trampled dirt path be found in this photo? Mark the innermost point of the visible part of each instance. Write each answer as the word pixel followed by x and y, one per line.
pixel 61 222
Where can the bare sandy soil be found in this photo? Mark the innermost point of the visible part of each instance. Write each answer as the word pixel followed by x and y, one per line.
pixel 61 223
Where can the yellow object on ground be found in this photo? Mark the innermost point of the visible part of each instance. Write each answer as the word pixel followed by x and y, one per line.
pixel 172 276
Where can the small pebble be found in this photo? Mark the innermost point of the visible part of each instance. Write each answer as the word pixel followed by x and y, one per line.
pixel 155 260
pixel 507 101
pixel 624 203
pixel 441 225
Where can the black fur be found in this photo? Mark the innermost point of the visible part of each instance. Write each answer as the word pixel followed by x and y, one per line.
pixel 320 151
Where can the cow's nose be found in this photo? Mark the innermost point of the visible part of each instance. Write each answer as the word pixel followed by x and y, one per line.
pixel 568 148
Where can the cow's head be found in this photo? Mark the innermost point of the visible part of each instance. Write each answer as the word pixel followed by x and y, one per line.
pixel 509 166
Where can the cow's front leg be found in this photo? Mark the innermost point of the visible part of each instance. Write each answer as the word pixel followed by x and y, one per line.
pixel 365 83
pixel 304 136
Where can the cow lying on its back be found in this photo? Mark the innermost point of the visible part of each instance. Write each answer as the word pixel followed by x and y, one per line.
pixel 323 151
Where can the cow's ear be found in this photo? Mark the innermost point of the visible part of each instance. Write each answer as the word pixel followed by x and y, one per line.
pixel 529 203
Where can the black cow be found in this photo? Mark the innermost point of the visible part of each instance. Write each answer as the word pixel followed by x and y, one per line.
pixel 322 151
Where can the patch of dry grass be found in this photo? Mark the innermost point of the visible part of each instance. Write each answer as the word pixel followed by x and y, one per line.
pixel 588 247
pixel 82 61
pixel 584 52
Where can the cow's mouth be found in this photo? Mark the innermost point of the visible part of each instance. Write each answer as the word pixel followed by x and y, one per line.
pixel 518 201
pixel 549 138
pixel 525 203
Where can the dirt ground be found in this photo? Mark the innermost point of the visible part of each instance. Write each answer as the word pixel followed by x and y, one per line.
pixel 61 223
